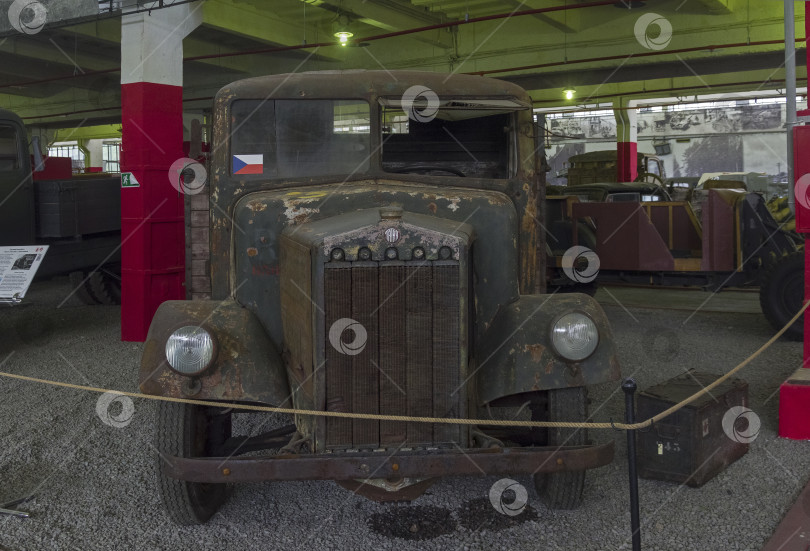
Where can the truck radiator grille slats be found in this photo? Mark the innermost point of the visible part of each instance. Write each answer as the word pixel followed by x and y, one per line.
pixel 411 360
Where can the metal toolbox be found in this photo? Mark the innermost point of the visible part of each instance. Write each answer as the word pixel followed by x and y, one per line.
pixel 692 446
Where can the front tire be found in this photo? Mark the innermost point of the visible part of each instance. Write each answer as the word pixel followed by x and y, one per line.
pixel 563 490
pixel 185 430
pixel 782 292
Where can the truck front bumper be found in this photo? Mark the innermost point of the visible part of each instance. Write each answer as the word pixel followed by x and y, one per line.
pixel 389 464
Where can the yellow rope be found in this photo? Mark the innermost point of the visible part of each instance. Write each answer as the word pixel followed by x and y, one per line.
pixel 442 420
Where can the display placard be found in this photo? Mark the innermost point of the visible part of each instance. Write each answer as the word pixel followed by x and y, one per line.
pixel 18 265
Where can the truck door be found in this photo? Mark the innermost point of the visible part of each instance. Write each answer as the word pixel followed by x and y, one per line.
pixel 17 221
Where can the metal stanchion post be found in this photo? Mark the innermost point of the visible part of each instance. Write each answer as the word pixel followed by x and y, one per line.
pixel 629 387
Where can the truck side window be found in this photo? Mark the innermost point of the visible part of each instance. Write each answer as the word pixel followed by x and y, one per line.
pixel 9 152
pixel 294 138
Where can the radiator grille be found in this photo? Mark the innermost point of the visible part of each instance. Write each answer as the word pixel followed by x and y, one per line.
pixel 411 362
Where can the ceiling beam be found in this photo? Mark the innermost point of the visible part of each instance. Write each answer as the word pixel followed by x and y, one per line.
pixel 260 24
pixel 104 131
pixel 392 15
pixel 649 71
pixel 716 7
pixel 566 22
pixel 53 47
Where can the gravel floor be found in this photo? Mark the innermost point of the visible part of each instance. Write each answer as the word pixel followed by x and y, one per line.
pixel 94 482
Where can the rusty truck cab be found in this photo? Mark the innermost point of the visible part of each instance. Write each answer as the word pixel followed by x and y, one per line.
pixel 376 248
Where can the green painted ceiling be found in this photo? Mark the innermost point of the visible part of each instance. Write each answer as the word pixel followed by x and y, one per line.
pixel 605 52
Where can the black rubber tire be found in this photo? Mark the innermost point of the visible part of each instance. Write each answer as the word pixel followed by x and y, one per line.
pixel 563 490
pixel 782 293
pixel 99 288
pixel 114 285
pixel 185 430
pixel 77 281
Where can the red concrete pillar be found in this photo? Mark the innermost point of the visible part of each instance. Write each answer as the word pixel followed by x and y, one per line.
pixel 626 141
pixel 152 224
pixel 794 394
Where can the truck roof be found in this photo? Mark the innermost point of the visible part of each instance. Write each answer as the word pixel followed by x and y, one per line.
pixel 6 115
pixel 367 84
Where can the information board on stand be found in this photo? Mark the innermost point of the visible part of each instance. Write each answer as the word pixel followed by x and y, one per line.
pixel 18 266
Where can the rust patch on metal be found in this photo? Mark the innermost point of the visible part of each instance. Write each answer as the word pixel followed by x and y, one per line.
pixel 536 385
pixel 335 466
pixel 432 208
pixel 252 251
pixel 536 350
pixel 257 206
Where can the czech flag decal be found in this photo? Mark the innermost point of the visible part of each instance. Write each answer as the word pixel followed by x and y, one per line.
pixel 248 164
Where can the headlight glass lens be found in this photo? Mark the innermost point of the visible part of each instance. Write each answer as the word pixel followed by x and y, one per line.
pixel 575 336
pixel 190 350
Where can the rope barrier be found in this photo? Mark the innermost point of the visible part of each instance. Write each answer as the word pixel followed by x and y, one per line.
pixel 436 420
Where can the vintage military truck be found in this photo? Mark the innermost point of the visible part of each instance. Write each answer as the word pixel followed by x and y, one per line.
pixel 600 167
pixel 78 217
pixel 376 247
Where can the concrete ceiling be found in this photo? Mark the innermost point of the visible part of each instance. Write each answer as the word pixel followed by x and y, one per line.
pixel 67 75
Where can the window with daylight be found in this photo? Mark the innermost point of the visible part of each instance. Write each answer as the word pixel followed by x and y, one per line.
pixel 111 156
pixel 68 149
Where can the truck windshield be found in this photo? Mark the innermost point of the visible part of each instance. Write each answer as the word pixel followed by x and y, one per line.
pixel 292 138
pixel 472 138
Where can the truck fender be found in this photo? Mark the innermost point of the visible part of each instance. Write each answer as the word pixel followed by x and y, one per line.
pixel 516 354
pixel 247 367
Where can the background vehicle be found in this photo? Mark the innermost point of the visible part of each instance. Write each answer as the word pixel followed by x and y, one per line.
pixel 78 217
pixel 381 254
pixel 736 242
pixel 613 192
pixel 680 187
pixel 600 166
pixel 751 181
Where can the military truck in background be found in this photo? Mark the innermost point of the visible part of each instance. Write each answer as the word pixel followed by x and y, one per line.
pixel 78 217
pixel 599 167
pixel 376 247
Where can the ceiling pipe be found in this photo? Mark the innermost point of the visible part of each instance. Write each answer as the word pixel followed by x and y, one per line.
pixel 623 57
pixel 445 25
pixel 480 73
pixel 279 49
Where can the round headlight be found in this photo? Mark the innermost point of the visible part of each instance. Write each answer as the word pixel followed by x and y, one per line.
pixel 190 350
pixel 574 336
